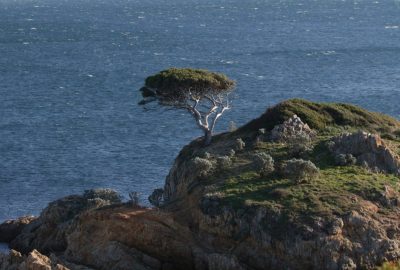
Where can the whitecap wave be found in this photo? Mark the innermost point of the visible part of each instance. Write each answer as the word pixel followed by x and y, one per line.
pixel 391 27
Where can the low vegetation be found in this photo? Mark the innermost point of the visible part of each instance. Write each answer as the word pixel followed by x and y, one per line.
pixel 300 171
pixel 263 163
pixel 327 117
pixel 317 183
pixel 390 266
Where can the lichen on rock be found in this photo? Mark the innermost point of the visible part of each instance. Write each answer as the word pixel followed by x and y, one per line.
pixel 293 129
pixel 368 149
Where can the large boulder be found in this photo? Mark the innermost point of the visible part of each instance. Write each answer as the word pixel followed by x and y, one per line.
pixel 12 228
pixel 125 237
pixel 10 261
pixel 47 232
pixel 33 261
pixel 368 149
pixel 293 129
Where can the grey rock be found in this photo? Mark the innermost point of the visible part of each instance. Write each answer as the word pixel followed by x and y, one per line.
pixel 336 226
pixel 293 129
pixel 369 150
pixel 239 144
pixel 49 229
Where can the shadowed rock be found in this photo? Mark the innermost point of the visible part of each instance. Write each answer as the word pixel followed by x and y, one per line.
pixel 12 228
pixel 47 233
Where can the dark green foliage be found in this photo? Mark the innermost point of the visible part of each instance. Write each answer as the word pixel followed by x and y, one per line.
pixel 343 160
pixel 175 82
pixel 320 116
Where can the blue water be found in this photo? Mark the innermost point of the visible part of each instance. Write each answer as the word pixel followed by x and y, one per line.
pixel 70 70
pixel 4 248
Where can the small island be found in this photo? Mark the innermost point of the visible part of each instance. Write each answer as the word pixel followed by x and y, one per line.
pixel 304 186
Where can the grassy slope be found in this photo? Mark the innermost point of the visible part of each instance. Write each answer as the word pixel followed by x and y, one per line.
pixel 338 189
pixel 326 117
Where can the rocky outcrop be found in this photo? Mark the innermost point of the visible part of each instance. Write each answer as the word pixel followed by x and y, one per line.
pixel 368 149
pixel 293 129
pixel 130 238
pixel 235 209
pixel 357 240
pixel 10 261
pixel 156 197
pixel 33 261
pixel 12 228
pixel 389 197
pixel 48 232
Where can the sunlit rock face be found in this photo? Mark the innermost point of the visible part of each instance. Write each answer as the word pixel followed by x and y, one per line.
pixel 369 150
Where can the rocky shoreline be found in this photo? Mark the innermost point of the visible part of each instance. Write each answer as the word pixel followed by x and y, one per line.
pixel 305 186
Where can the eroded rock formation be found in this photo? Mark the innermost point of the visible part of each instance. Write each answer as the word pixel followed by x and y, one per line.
pixel 48 232
pixel 293 129
pixel 12 228
pixel 368 149
pixel 33 261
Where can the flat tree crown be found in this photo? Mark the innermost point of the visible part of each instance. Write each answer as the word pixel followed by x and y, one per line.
pixel 204 94
pixel 176 83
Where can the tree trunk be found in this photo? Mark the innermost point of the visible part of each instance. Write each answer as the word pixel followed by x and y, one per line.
pixel 207 137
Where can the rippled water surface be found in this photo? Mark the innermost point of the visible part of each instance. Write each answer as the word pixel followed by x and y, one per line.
pixel 3 248
pixel 70 70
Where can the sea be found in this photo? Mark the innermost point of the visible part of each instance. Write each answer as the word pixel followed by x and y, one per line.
pixel 70 71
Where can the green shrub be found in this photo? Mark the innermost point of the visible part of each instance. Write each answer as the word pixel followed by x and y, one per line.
pixel 300 171
pixel 201 166
pixel 263 163
pixel 224 162
pixel 345 159
pixel 175 81
pixel 319 116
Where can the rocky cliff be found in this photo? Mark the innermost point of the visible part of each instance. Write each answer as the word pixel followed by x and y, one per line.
pixel 305 186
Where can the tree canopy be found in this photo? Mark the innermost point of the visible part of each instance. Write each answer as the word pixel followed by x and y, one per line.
pixel 204 94
pixel 175 83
